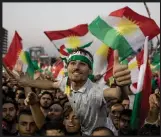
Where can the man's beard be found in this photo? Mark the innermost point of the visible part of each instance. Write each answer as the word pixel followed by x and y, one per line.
pixel 9 122
pixel 45 107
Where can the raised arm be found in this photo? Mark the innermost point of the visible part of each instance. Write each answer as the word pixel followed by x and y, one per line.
pixel 38 116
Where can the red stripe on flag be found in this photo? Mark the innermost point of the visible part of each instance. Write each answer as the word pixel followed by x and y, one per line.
pixel 62 51
pixel 12 55
pixel 147 88
pixel 110 60
pixel 79 30
pixel 57 68
pixel 143 22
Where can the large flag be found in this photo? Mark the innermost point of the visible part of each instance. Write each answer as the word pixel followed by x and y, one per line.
pixel 14 50
pixel 141 102
pixel 79 36
pixel 16 55
pixel 66 40
pixel 124 30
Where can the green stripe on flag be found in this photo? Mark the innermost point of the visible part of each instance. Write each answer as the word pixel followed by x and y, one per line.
pixel 110 37
pixel 30 69
pixel 135 112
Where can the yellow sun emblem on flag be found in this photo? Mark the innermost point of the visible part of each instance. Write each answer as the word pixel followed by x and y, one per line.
pixel 102 50
pixel 126 26
pixel 73 42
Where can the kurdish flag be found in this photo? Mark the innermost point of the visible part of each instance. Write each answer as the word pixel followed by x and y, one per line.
pixel 141 102
pixel 124 30
pixel 66 40
pixel 16 55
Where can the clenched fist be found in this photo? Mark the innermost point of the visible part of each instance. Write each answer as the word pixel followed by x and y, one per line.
pixel 31 99
pixel 121 73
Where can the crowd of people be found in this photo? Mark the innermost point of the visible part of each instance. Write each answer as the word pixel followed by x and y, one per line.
pixel 75 105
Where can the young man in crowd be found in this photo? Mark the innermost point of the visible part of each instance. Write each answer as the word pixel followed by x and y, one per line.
pixel 20 101
pixel 113 117
pixel 82 93
pixel 124 123
pixel 25 123
pixel 71 122
pixel 46 100
pixel 53 128
pixel 9 111
pixel 102 131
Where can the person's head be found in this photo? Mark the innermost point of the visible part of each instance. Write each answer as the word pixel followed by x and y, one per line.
pixel 25 123
pixel 55 111
pixel 53 128
pixel 20 101
pixel 46 99
pixel 5 88
pixel 9 110
pixel 71 121
pixel 102 131
pixel 79 65
pixel 18 91
pixel 115 112
pixel 126 103
pixel 124 122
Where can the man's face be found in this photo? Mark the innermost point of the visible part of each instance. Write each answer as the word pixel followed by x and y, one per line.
pixel 18 92
pixel 124 124
pixel 21 104
pixel 126 103
pixel 45 101
pixel 54 132
pixel 9 112
pixel 72 123
pixel 55 111
pixel 78 71
pixel 115 114
pixel 26 125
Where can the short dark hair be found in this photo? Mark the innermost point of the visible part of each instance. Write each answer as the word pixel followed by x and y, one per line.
pixel 67 110
pixel 24 112
pixel 54 124
pixel 126 112
pixel 47 92
pixel 82 51
pixel 103 128
pixel 10 100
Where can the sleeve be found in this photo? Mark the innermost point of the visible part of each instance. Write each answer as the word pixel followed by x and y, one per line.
pixel 62 84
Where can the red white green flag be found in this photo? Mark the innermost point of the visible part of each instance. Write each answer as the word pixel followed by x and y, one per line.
pixel 124 30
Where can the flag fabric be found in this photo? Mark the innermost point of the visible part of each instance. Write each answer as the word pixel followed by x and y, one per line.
pixel 124 30
pixel 79 36
pixel 141 101
pixel 18 57
pixel 66 40
pixel 28 65
pixel 58 70
pixel 14 50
